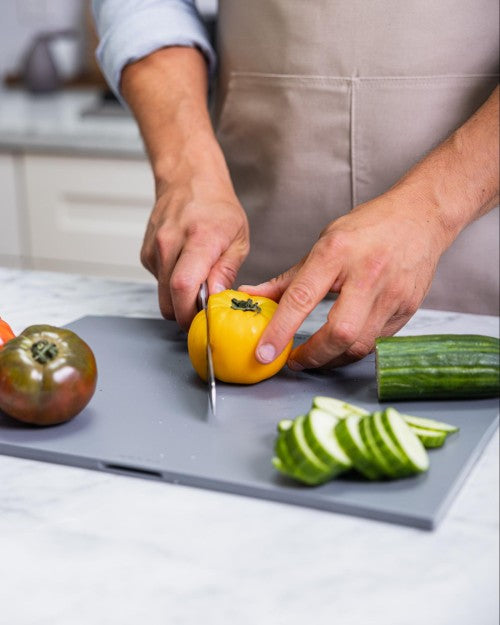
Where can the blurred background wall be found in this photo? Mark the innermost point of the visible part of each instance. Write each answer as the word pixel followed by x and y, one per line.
pixel 76 188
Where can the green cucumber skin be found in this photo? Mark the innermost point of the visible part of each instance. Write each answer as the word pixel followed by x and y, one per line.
pixel 336 464
pixel 422 423
pixel 386 422
pixel 380 461
pixel 362 460
pixel 391 451
pixel 437 366
pixel 303 457
pixel 430 438
pixel 296 469
pixel 337 407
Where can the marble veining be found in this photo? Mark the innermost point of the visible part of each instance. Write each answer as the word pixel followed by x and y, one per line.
pixel 84 548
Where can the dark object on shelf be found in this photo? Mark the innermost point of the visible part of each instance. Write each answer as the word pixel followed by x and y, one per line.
pixel 40 71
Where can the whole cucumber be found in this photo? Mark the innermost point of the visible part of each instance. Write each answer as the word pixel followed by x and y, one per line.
pixel 437 366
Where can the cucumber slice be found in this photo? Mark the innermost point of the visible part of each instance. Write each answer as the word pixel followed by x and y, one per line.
pixel 429 424
pixel 286 464
pixel 409 444
pixel 388 447
pixel 430 438
pixel 337 407
pixel 303 456
pixel 349 437
pixel 284 425
pixel 320 436
pixel 377 453
pixel 279 466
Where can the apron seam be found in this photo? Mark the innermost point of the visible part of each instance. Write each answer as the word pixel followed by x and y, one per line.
pixel 352 138
pixel 350 79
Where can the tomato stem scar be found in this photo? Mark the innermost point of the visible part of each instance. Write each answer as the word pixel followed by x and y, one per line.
pixel 43 351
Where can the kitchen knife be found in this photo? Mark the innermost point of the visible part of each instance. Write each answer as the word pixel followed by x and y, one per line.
pixel 202 302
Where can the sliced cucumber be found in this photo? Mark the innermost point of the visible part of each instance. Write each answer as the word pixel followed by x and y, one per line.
pixel 408 442
pixel 319 433
pixel 388 447
pixel 284 425
pixel 365 429
pixel 337 407
pixel 430 438
pixel 282 452
pixel 279 466
pixel 288 466
pixel 302 455
pixel 429 424
pixel 349 437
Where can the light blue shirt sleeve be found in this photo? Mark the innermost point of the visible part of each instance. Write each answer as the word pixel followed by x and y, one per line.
pixel 131 29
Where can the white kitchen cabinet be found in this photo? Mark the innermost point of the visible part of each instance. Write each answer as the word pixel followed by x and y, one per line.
pixel 87 215
pixel 12 250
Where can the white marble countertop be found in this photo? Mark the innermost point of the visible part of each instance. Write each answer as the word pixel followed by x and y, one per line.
pixel 57 123
pixel 85 548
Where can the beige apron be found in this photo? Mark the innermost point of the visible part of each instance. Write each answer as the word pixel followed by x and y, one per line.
pixel 323 104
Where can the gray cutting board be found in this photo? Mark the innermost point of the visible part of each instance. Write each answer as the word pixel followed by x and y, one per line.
pixel 149 418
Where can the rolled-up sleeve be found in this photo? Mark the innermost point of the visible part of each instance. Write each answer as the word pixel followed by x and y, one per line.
pixel 131 29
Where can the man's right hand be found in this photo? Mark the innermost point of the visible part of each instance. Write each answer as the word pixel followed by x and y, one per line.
pixel 197 231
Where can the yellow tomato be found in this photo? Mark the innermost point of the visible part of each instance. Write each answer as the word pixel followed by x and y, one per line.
pixel 236 324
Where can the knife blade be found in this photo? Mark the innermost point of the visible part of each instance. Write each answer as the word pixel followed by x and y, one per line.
pixel 202 302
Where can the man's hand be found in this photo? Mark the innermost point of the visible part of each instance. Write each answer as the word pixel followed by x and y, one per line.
pixel 380 258
pixel 197 231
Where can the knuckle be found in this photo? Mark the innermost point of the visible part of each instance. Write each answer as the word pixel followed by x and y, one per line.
pixel 163 243
pixel 146 258
pixel 301 296
pixel 182 283
pixel 359 350
pixel 229 272
pixel 310 362
pixel 335 242
pixel 412 306
pixel 197 230
pixel 343 332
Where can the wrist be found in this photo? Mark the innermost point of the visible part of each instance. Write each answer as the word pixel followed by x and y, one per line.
pixel 420 204
pixel 194 158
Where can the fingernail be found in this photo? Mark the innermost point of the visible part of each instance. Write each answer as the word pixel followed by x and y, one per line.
pixel 266 353
pixel 294 365
pixel 218 288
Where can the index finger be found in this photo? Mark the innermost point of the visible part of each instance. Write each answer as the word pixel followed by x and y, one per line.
pixel 192 268
pixel 309 286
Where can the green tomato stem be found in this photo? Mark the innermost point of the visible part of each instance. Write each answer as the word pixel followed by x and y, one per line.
pixel 43 351
pixel 245 305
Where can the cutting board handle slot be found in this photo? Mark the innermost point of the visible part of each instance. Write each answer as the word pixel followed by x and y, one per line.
pixel 130 470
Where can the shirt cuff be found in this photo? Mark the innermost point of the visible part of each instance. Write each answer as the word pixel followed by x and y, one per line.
pixel 141 33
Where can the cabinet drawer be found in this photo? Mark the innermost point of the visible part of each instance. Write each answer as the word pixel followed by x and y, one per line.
pixel 88 214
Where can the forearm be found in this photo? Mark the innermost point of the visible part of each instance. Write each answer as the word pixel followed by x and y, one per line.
pixel 458 181
pixel 167 92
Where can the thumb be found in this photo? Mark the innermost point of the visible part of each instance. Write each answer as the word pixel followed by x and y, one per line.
pixel 274 288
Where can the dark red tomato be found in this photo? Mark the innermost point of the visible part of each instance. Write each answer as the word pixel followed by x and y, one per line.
pixel 6 333
pixel 47 375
